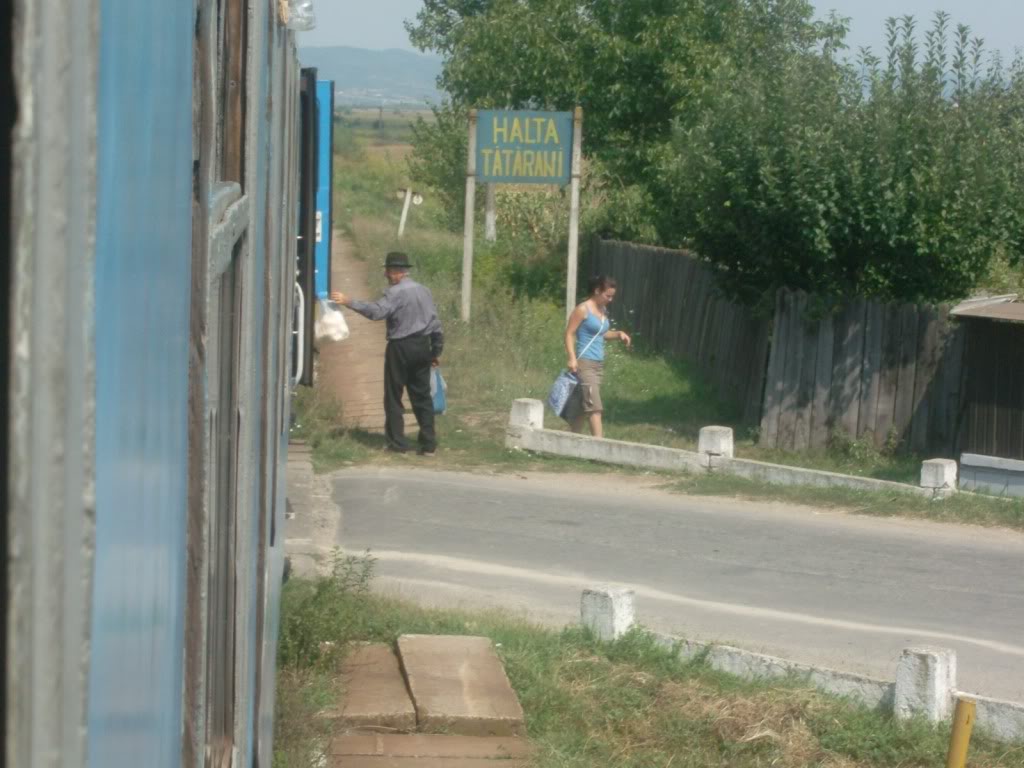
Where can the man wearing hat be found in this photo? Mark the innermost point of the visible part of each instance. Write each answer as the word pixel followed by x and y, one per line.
pixel 415 342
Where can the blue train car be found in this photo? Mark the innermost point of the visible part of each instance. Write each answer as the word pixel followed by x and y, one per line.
pixel 151 212
pixel 313 279
pixel 325 173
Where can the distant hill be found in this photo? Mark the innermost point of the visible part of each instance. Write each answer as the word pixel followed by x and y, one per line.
pixel 369 78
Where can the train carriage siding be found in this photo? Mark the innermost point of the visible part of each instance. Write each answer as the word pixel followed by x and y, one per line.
pixel 190 181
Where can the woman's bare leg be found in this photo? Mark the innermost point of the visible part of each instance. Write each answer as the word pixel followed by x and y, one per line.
pixel 596 428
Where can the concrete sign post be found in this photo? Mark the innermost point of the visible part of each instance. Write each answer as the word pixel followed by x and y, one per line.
pixel 574 213
pixel 405 212
pixel 491 216
pixel 467 242
pixel 521 147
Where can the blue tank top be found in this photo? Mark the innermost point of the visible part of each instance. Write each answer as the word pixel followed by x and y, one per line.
pixel 594 328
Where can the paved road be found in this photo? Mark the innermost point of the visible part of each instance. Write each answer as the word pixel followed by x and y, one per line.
pixel 818 587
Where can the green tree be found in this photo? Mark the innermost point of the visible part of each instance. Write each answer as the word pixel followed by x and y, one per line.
pixel 901 182
pixel 735 127
pixel 636 68
pixel 438 158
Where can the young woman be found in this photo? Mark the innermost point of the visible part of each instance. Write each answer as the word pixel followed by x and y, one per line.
pixel 584 342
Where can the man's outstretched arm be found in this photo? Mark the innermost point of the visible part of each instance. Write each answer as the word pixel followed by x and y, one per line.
pixel 373 310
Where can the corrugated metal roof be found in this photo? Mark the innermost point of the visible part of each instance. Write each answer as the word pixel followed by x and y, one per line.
pixel 1006 312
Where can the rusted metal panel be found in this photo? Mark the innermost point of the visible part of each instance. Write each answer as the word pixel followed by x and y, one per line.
pixel 995 389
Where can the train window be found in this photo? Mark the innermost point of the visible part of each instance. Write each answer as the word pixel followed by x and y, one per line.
pixel 223 577
pixel 234 47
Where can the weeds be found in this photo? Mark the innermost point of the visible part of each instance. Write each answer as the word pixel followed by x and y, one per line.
pixel 318 617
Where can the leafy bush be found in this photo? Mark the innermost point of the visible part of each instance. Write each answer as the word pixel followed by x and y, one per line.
pixel 318 617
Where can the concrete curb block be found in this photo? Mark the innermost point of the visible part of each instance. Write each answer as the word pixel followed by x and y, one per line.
pixel 1002 719
pixel 777 474
pixel 925 685
pixel 606 451
pixel 525 432
pixel 747 665
pixel 608 611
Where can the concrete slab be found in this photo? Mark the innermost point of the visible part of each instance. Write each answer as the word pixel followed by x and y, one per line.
pixel 459 686
pixel 375 692
pixel 431 745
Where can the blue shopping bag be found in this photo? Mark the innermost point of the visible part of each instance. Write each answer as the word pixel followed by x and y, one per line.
pixel 438 391
pixel 561 391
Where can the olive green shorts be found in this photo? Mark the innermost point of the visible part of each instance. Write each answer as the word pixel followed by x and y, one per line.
pixel 587 397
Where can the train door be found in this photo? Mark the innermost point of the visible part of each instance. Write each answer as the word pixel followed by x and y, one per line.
pixel 224 429
pixel 221 246
pixel 325 174
pixel 305 284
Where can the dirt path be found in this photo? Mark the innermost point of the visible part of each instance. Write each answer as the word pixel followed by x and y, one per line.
pixel 353 370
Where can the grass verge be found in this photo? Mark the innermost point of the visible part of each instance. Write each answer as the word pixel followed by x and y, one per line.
pixel 629 704
pixel 961 508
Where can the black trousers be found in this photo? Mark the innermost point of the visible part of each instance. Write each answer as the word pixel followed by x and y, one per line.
pixel 407 366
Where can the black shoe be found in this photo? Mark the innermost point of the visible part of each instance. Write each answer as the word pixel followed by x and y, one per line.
pixel 421 451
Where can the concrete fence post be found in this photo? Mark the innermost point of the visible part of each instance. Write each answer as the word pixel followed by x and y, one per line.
pixel 608 611
pixel 925 683
pixel 939 475
pixel 528 413
pixel 716 441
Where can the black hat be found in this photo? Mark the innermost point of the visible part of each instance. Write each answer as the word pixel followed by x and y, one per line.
pixel 397 260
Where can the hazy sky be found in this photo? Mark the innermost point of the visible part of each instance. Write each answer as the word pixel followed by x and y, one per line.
pixel 377 24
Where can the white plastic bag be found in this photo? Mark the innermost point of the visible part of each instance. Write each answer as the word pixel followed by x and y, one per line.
pixel 301 17
pixel 331 325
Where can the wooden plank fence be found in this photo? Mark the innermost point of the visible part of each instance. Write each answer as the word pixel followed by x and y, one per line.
pixel 669 300
pixel 874 371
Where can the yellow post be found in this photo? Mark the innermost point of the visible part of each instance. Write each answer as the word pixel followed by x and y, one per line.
pixel 963 724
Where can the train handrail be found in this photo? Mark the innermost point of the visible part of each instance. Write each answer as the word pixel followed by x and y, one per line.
pixel 300 356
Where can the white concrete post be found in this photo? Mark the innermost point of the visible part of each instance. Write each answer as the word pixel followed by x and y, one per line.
pixel 716 441
pixel 939 475
pixel 491 214
pixel 405 213
pixel 607 611
pixel 925 683
pixel 469 221
pixel 574 211
pixel 527 413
